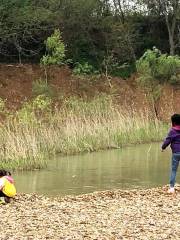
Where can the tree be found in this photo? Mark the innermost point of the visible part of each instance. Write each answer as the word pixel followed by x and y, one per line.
pixel 94 31
pixel 55 51
pixel 170 9
pixel 81 21
pixel 123 11
pixel 24 25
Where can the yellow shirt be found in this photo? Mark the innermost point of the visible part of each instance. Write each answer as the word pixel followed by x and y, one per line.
pixel 7 187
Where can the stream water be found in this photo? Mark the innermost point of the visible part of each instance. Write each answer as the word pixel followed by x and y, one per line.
pixel 140 166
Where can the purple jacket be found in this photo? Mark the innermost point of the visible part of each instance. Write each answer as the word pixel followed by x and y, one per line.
pixel 173 138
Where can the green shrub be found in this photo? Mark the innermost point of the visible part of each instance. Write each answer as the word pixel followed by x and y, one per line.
pixel 124 70
pixel 84 69
pixel 26 113
pixel 2 105
pixel 42 103
pixel 55 50
pixel 112 66
pixel 41 87
pixel 4 112
pixel 175 80
pixel 160 67
pixel 30 111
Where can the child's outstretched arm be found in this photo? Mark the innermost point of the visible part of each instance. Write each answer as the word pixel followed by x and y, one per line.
pixel 167 141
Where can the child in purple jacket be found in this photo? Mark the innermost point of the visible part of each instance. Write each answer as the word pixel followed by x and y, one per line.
pixel 173 139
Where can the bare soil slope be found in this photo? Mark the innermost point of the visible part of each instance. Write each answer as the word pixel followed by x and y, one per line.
pixel 16 87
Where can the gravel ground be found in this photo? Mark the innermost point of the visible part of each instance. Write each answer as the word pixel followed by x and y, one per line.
pixel 134 214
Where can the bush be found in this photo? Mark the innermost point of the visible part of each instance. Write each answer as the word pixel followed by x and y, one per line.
pixel 112 66
pixel 55 50
pixel 42 103
pixel 175 80
pixel 160 67
pixel 84 69
pixel 124 71
pixel 30 111
pixel 2 105
pixel 40 87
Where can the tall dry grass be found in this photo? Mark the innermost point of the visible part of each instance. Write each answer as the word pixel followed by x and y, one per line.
pixel 77 127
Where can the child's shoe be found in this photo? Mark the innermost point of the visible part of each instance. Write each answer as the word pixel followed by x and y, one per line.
pixel 171 190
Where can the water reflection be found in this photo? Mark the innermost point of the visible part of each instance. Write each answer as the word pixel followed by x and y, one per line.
pixel 137 166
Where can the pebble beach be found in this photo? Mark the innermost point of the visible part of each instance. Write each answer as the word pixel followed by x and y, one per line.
pixel 119 214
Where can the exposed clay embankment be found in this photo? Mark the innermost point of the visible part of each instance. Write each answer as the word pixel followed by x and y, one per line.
pixel 16 87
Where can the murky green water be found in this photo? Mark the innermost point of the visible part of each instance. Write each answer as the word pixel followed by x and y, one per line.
pixel 132 167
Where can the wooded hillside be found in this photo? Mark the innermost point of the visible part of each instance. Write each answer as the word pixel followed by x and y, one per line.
pixel 100 32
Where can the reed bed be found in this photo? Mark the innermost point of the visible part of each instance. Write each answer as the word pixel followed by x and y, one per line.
pixel 78 126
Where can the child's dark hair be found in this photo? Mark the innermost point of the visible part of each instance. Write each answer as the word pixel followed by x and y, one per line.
pixel 175 119
pixel 4 173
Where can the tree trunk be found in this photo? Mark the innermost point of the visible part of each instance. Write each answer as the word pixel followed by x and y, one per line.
pixel 171 24
pixel 172 45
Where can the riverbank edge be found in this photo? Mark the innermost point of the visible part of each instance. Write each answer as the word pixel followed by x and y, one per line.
pixel 41 160
pixel 113 214
pixel 43 164
pixel 22 166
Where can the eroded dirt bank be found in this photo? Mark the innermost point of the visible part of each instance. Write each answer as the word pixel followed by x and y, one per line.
pixel 16 87
pixel 136 214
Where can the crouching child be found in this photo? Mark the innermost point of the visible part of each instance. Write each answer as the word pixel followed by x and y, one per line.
pixel 7 188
